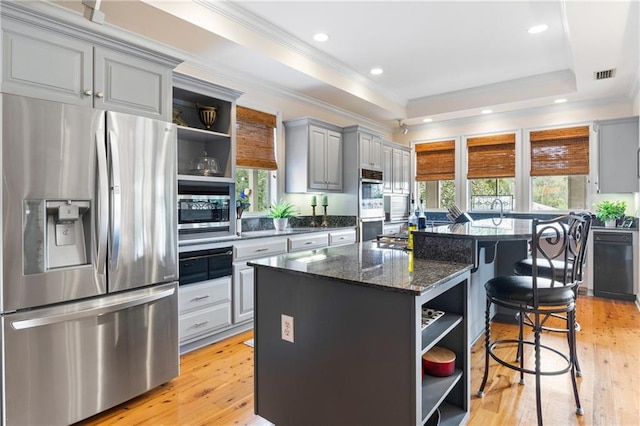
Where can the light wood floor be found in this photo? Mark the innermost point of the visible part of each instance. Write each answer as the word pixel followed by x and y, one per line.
pixel 215 386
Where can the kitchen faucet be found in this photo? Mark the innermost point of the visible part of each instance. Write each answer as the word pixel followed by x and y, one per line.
pixel 499 201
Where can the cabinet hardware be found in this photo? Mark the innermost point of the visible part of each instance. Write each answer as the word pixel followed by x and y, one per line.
pixel 88 92
pixel 200 324
pixel 310 242
pixel 259 250
pixel 206 296
pixel 99 95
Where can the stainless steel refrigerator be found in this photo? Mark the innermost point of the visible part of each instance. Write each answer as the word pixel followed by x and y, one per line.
pixel 88 303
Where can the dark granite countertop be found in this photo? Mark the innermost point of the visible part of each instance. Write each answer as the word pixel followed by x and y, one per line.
pixel 366 264
pixel 484 229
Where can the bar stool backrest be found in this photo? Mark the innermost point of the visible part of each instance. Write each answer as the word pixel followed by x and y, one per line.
pixel 560 244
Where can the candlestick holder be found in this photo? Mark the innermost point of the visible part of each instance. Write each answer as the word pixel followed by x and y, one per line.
pixel 313 216
pixel 325 219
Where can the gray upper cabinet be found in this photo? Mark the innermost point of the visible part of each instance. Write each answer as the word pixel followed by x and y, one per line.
pixel 618 155
pixel 55 66
pixel 370 147
pixel 313 156
pixel 396 169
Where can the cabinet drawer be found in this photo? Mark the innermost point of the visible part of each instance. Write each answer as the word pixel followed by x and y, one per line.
pixel 207 293
pixel 342 237
pixel 308 241
pixel 259 248
pixel 204 320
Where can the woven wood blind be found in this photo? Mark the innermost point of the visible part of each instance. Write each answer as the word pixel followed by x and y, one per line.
pixel 491 156
pixel 255 140
pixel 435 161
pixel 560 152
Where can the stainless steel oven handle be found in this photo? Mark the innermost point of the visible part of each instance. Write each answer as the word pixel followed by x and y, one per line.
pixel 102 199
pixel 92 312
pixel 116 199
pixel 207 256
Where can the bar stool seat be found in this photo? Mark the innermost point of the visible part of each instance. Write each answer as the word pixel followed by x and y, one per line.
pixel 518 289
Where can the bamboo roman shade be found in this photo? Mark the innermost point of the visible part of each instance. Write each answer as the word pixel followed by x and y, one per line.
pixel 560 152
pixel 255 140
pixel 435 161
pixel 491 156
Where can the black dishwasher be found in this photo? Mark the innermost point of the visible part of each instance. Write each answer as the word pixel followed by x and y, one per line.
pixel 613 265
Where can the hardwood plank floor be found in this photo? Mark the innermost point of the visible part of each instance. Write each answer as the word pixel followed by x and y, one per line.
pixel 215 386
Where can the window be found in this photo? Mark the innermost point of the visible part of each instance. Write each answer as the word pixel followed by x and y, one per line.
pixel 255 158
pixel 435 173
pixel 559 168
pixel 491 170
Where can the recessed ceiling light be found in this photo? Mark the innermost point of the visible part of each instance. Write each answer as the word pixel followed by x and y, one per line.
pixel 560 101
pixel 538 28
pixel 486 111
pixel 427 120
pixel 321 37
pixel 376 71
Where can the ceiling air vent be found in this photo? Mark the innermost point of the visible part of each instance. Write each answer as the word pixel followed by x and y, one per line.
pixel 601 75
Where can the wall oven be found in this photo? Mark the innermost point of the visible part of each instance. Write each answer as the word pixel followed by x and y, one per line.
pixel 371 209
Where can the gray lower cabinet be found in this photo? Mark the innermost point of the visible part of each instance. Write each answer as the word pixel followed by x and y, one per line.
pixel 203 308
pixel 64 68
pixel 618 155
pixel 242 292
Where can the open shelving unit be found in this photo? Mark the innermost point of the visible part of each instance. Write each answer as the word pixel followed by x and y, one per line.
pixel 193 138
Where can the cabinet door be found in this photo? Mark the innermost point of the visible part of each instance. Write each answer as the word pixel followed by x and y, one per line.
pixel 334 161
pixel 618 156
pixel 397 171
pixel 317 158
pixel 387 169
pixel 376 153
pixel 242 292
pixel 406 172
pixel 131 85
pixel 365 143
pixel 46 66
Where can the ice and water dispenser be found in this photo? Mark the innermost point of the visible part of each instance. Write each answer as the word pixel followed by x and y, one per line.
pixel 57 234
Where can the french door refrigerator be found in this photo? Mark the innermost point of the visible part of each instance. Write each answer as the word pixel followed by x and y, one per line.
pixel 88 304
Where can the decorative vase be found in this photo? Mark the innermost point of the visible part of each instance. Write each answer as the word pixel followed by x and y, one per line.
pixel 610 223
pixel 207 115
pixel 280 223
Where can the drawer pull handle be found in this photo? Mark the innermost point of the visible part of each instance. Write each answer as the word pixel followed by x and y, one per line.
pixel 206 296
pixel 310 242
pixel 259 250
pixel 342 238
pixel 200 324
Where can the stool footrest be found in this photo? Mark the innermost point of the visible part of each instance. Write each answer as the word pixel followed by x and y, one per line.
pixel 515 367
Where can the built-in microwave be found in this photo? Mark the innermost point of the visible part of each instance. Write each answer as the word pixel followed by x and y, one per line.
pixel 203 208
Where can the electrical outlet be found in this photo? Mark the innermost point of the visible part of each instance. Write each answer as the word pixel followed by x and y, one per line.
pixel 287 328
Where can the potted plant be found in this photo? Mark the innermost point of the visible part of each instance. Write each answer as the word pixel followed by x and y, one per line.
pixel 608 211
pixel 280 212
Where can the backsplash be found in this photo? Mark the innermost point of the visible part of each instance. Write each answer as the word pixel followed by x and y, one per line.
pixel 266 223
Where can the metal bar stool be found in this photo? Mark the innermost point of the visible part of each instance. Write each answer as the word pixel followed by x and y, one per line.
pixel 547 270
pixel 539 298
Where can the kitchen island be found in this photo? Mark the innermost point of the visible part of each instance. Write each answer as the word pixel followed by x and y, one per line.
pixel 339 337
pixel 492 246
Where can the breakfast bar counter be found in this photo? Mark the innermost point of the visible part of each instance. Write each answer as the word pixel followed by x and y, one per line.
pixel 339 337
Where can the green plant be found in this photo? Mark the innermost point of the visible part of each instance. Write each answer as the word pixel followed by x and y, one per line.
pixel 282 209
pixel 607 210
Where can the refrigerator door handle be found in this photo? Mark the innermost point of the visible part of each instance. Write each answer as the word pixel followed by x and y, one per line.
pixel 116 212
pixel 103 202
pixel 118 305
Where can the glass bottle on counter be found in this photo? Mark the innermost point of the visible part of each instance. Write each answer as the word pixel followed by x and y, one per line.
pixel 411 226
pixel 422 217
